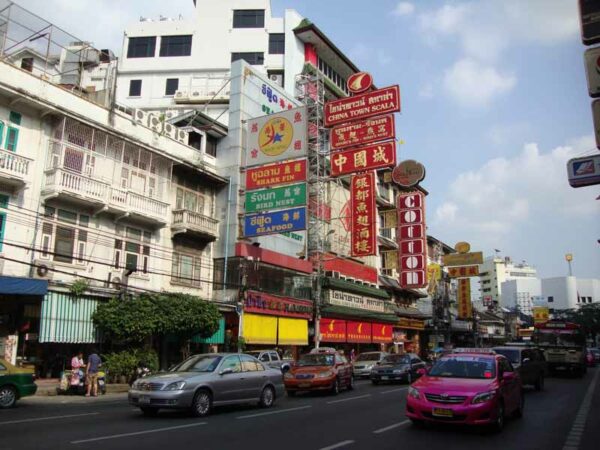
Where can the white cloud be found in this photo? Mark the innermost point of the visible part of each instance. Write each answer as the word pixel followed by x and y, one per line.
pixel 503 134
pixel 426 91
pixel 403 9
pixel 473 84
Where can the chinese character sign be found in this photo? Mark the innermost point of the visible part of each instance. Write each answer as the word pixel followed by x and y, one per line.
pixel 465 308
pixel 362 198
pixel 363 159
pixel 412 240
pixel 276 137
pixel 363 132
pixel 276 174
pixel 463 271
pixel 369 104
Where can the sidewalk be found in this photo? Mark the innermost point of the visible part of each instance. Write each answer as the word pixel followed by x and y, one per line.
pixel 47 387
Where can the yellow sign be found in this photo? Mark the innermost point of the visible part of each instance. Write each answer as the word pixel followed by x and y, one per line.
pixel 411 324
pixel 462 247
pixel 276 136
pixel 463 271
pixel 434 272
pixel 541 314
pixel 463 259
pixel 465 308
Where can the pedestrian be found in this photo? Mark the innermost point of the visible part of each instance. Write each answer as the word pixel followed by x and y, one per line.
pixel 76 371
pixel 93 366
pixel 352 355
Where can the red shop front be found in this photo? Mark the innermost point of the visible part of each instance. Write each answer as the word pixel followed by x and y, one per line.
pixel 357 335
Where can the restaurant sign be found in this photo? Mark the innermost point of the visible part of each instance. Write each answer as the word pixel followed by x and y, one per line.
pixel 276 174
pixel 276 198
pixel 465 308
pixel 340 298
pixel 363 132
pixel 332 330
pixel 363 225
pixel 382 333
pixel 462 259
pixel 359 332
pixel 412 240
pixel 363 158
pixel 261 303
pixel 275 222
pixel 463 271
pixel 411 324
pixel 363 106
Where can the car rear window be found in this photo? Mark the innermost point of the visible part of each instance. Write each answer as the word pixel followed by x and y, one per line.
pixel 464 367
pixel 397 359
pixel 511 354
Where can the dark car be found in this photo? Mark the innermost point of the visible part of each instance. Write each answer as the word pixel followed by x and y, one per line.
pixel 397 368
pixel 529 362
pixel 327 371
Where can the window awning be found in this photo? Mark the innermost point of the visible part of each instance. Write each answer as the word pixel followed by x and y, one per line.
pixel 259 329
pixel 292 331
pixel 67 319
pixel 22 286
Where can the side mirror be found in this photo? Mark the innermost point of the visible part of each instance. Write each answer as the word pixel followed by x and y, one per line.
pixel 525 360
pixel 226 371
pixel 508 376
pixel 422 372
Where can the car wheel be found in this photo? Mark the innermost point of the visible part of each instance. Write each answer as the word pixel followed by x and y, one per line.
pixel 8 397
pixel 335 389
pixel 375 382
pixel 267 398
pixel 351 383
pixel 291 393
pixel 519 411
pixel 539 384
pixel 149 412
pixel 498 425
pixel 202 403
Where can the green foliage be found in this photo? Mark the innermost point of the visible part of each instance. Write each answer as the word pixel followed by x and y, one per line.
pixel 124 363
pixel 588 316
pixel 78 287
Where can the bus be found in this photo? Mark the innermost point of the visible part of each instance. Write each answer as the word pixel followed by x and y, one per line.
pixel 563 344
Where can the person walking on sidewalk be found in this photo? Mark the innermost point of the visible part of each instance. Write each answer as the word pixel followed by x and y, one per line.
pixel 76 368
pixel 91 374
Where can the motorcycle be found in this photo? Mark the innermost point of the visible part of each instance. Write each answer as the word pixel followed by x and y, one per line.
pixel 73 382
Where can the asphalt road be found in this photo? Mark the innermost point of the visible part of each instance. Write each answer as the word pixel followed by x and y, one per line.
pixel 565 416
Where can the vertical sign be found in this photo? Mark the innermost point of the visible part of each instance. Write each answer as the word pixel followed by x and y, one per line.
pixel 362 198
pixel 412 240
pixel 465 309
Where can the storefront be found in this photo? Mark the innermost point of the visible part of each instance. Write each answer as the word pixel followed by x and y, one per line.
pixel 407 335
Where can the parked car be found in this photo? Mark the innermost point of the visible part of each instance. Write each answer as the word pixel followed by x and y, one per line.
pixel 203 381
pixel 397 368
pixel 364 363
pixel 328 371
pixel 529 362
pixel 15 383
pixel 271 358
pixel 467 388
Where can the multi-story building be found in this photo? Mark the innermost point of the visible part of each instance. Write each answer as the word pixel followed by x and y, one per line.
pixel 519 295
pixel 90 197
pixel 494 271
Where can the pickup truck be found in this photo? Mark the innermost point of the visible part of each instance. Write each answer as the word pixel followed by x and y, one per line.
pixel 271 358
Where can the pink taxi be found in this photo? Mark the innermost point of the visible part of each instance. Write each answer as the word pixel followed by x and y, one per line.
pixel 471 387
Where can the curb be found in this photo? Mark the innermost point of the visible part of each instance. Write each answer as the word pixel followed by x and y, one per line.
pixel 52 391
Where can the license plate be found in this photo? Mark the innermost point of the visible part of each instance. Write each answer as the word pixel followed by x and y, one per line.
pixel 304 385
pixel 145 400
pixel 442 412
pixel 385 378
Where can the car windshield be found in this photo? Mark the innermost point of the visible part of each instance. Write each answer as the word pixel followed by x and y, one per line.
pixel 198 363
pixel 464 367
pixel 368 357
pixel 316 360
pixel 396 359
pixel 511 354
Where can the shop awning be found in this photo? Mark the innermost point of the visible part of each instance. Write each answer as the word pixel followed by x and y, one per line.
pixel 348 286
pixel 217 338
pixel 259 329
pixel 66 318
pixel 22 286
pixel 358 314
pixel 292 331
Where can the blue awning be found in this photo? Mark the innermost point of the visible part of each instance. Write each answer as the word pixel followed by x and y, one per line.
pixel 22 286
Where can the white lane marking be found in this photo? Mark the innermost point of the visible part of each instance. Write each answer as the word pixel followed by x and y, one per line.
pixel 348 399
pixel 338 445
pixel 249 416
pixel 394 390
pixel 39 419
pixel 137 433
pixel 574 437
pixel 391 427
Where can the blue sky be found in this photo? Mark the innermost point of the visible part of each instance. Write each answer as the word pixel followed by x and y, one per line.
pixel 494 103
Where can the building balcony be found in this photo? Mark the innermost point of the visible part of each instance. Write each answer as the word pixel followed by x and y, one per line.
pixel 186 221
pixel 138 206
pixel 388 272
pixel 13 169
pixel 387 238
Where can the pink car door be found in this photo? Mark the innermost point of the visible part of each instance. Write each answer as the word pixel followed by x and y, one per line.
pixel 511 388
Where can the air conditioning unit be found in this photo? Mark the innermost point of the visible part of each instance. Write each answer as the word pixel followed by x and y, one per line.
pixel 114 280
pixel 181 95
pixel 170 130
pixel 196 95
pixel 43 270
pixel 277 78
pixel 155 124
pixel 141 117
pixel 182 136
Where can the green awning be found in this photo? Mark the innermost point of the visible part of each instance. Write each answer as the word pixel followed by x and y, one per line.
pixel 217 338
pixel 67 318
pixel 357 314
pixel 348 286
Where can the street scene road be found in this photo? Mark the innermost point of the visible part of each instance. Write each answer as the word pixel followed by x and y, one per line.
pixel 368 417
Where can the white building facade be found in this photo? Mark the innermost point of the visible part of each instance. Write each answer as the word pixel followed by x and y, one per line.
pixel 494 271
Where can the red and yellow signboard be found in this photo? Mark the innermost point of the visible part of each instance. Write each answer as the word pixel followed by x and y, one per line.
pixel 276 174
pixel 362 204
pixel 359 82
pixel 363 158
pixel 261 303
pixel 465 308
pixel 463 271
pixel 412 239
pixel 332 330
pixel 411 324
pixel 363 132
pixel 382 333
pixel 541 314
pixel 359 332
pixel 363 106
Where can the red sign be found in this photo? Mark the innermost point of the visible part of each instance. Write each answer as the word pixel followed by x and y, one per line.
pixel 463 271
pixel 411 240
pixel 374 103
pixel 261 303
pixel 363 158
pixel 363 132
pixel 465 309
pixel 382 333
pixel 359 82
pixel 276 174
pixel 332 330
pixel 363 231
pixel 358 332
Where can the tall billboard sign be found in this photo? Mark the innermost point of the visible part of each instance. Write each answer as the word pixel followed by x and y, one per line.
pixel 412 240
pixel 362 106
pixel 589 11
pixel 465 307
pixel 363 158
pixel 275 222
pixel 363 229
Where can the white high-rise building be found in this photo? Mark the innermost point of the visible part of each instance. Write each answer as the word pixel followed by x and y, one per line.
pixel 494 271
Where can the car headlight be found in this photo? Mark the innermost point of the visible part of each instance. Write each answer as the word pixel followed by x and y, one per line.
pixel 414 393
pixel 177 386
pixel 288 375
pixel 325 374
pixel 484 397
pixel 369 367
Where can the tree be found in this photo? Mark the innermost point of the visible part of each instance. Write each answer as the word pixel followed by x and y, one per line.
pixel 588 316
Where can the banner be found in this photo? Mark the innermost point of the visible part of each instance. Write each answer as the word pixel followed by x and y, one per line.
pixel 465 308
pixel 541 314
pixel 382 333
pixel 363 159
pixel 275 222
pixel 363 132
pixel 332 330
pixel 359 332
pixel 261 303
pixel 374 103
pixel 276 198
pixel 412 240
pixel 363 227
pixel 276 174
pixel 357 301
pixel 276 137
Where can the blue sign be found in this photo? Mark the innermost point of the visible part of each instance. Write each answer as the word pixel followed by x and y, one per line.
pixel 275 222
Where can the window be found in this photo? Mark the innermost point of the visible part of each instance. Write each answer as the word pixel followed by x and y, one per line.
pixel 171 86
pixel 254 58
pixel 186 269
pixel 15 117
pixel 233 363
pixel 328 71
pixel 190 200
pixel 276 43
pixel 2 368
pixel 248 363
pixel 550 299
pixel 249 18
pixel 64 235
pixel 274 356
pixel 176 45
pixel 27 64
pixel 3 204
pixel 135 88
pixel 211 146
pixel 131 251
pixel 141 47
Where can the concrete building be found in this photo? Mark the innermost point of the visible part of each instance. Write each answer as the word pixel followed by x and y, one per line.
pixel 520 294
pixel 494 271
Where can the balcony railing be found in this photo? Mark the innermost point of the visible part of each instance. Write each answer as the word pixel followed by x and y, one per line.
pixel 186 220
pixel 13 165
pixel 389 233
pixel 388 272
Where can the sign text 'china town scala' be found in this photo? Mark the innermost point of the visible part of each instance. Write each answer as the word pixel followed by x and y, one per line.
pixel 370 104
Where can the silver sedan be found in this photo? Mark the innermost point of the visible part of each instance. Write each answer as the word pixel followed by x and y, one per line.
pixel 203 381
